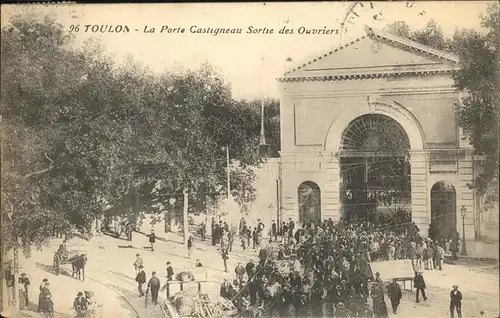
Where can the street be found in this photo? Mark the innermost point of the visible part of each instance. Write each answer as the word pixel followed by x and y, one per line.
pixel 110 275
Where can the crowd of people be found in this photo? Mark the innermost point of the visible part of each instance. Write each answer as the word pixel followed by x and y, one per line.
pixel 309 269
pixel 327 268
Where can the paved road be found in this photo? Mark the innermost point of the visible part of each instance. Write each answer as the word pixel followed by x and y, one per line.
pixel 111 277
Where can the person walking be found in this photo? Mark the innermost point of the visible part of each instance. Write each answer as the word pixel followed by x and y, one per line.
pixel 152 239
pixel 140 279
pixel 455 244
pixel 225 256
pixel 230 240
pixel 254 238
pixel 190 246
pixel 128 230
pixel 214 232
pixel 430 254
pixel 455 302
pixel 242 227
pixel 419 283
pixel 154 287
pixel 240 272
pixel 170 271
pixel 395 295
pixel 203 230
pixel 138 262
pixel 284 231
pixel 439 257
pixel 274 232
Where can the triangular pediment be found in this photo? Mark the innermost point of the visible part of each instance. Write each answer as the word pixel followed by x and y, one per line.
pixel 375 53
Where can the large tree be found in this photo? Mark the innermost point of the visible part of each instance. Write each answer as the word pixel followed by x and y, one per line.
pixel 479 75
pixel 80 133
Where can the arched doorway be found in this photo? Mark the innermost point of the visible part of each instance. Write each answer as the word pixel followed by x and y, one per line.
pixel 443 211
pixel 309 196
pixel 374 170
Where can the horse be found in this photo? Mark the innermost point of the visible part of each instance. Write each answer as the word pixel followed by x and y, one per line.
pixel 78 263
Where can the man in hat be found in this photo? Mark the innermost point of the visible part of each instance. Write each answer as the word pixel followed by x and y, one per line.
pixel 190 246
pixel 378 280
pixel 140 279
pixel 225 289
pixel 138 262
pixel 291 227
pixel 24 280
pixel 379 306
pixel 242 227
pixel 80 305
pixel 341 310
pixel 170 272
pixel 225 257
pixel 274 231
pixel 230 240
pixel 240 272
pixel 250 269
pixel 154 286
pixel 419 284
pixel 455 302
pixel 395 295
pixel 152 239
pixel 439 255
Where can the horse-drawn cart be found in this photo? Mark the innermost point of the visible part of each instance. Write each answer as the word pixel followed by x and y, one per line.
pixel 77 259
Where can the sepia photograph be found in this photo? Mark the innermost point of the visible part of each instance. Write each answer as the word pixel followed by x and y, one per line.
pixel 250 159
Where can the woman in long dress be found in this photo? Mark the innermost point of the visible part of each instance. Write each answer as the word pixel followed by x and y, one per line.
pixel 47 305
pixel 379 306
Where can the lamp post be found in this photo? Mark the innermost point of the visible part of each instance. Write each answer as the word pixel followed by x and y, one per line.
pixel 463 211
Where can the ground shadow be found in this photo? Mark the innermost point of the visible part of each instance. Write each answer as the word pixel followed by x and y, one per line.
pixel 128 246
pixel 113 235
pixel 50 269
pixel 118 274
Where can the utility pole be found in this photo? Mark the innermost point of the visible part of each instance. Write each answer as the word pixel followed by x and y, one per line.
pixel 366 187
pixel 185 216
pixel 228 184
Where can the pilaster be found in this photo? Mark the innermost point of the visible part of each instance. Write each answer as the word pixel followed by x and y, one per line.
pixel 419 197
pixel 465 195
pixel 331 202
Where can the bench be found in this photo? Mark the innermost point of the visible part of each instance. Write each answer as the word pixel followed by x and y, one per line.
pixel 404 280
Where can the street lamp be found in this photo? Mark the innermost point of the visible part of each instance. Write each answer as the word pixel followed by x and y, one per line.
pixel 463 211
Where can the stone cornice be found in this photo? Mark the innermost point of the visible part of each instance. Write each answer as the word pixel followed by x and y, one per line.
pixel 391 74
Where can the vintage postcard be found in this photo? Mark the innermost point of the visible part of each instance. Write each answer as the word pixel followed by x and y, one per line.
pixel 319 159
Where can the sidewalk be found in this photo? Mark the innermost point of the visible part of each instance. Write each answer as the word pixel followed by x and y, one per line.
pixel 118 296
pixel 481 250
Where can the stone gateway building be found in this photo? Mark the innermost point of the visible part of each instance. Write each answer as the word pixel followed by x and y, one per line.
pixel 378 107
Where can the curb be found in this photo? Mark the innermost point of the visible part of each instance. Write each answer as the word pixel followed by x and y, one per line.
pixel 119 294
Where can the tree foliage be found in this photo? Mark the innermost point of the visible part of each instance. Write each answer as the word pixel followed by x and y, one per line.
pixel 478 76
pixel 80 132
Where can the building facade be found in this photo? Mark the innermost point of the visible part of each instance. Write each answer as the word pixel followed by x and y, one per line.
pixel 336 105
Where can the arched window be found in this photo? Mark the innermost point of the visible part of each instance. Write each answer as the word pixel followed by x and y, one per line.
pixel 309 196
pixel 443 211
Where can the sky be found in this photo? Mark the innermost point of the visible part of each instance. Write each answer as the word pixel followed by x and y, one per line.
pixel 249 62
